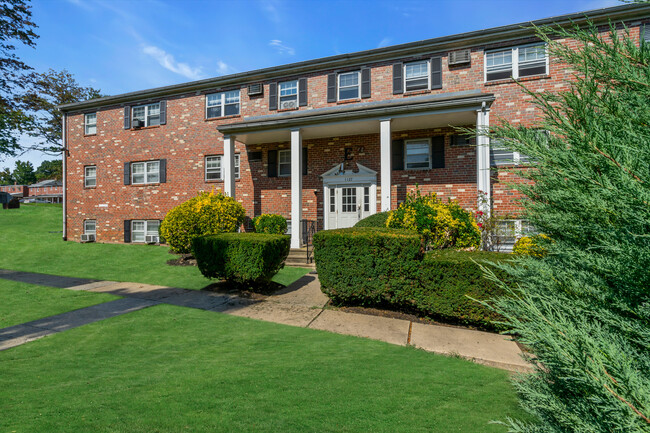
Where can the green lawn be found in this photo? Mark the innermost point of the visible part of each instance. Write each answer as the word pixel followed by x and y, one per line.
pixel 31 241
pixel 173 369
pixel 22 302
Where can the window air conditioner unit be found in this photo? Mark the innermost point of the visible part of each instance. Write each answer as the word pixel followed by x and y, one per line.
pixel 150 239
pixel 255 89
pixel 288 105
pixel 137 123
pixel 87 238
pixel 459 57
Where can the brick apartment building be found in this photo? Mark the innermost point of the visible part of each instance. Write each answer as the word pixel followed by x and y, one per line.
pixel 50 191
pixel 330 140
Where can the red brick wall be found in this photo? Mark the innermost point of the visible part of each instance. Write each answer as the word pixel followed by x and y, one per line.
pixel 187 138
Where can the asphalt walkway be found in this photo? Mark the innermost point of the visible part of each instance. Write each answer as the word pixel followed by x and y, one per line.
pixel 300 304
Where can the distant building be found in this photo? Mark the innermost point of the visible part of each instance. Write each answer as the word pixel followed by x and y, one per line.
pixel 50 191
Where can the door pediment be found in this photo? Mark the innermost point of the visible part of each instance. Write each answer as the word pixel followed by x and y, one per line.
pixel 337 176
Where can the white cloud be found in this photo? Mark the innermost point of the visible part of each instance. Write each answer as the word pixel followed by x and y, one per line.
pixel 384 42
pixel 271 10
pixel 168 62
pixel 224 68
pixel 280 48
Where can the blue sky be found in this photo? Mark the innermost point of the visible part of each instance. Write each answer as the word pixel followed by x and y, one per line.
pixel 121 46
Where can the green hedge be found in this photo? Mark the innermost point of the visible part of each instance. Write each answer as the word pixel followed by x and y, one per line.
pixel 362 265
pixel 271 224
pixel 386 268
pixel 374 220
pixel 245 258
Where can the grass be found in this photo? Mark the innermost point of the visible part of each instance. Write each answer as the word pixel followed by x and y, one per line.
pixel 173 369
pixel 32 242
pixel 26 302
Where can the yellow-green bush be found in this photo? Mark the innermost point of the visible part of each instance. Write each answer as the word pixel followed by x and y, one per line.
pixel 530 246
pixel 270 223
pixel 443 225
pixel 206 214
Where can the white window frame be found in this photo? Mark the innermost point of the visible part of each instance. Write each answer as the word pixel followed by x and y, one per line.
pixel 340 87
pixel 286 96
pixel 515 61
pixel 280 163
pixel 88 125
pixel 428 63
pixel 220 159
pixel 145 164
pixel 87 177
pixel 417 141
pixel 520 230
pixel 517 157
pixel 90 232
pixel 146 232
pixel 147 115
pixel 221 101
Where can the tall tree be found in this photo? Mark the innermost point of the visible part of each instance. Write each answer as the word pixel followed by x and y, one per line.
pixel 16 26
pixel 6 178
pixel 49 170
pixel 24 174
pixel 47 91
pixel 583 310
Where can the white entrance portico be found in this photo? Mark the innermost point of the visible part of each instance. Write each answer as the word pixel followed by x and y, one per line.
pixel 349 195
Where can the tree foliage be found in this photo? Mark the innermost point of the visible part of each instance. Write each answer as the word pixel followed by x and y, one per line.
pixel 583 309
pixel 24 173
pixel 6 178
pixel 16 26
pixel 49 170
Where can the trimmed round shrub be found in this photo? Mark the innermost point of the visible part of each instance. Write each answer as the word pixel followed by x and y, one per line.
pixel 443 225
pixel 375 220
pixel 243 258
pixel 206 214
pixel 270 223
pixel 531 246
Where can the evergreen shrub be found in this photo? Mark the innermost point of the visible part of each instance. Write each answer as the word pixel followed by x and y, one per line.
pixel 271 224
pixel 244 258
pixel 374 220
pixel 205 214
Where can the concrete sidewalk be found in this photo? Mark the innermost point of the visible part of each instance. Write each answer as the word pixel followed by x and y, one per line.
pixel 300 304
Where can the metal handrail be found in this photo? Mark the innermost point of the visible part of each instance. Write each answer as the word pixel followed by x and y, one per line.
pixel 308 231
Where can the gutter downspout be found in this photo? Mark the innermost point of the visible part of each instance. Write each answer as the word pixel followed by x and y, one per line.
pixel 65 177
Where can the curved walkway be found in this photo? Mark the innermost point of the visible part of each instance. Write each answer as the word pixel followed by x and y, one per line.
pixel 300 304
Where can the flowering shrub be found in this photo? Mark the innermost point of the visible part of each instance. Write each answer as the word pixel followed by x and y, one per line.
pixel 270 223
pixel 443 225
pixel 530 246
pixel 206 214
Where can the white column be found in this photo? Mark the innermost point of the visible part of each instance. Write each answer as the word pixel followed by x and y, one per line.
pixel 228 165
pixel 483 159
pixel 385 163
pixel 64 168
pixel 296 188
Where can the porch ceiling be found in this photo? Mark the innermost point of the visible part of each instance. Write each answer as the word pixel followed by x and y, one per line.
pixel 363 118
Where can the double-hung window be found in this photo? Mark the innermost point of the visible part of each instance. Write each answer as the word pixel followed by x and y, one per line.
pixel 418 154
pixel 90 227
pixel 516 62
pixel 349 85
pixel 142 228
pixel 500 154
pixel 145 172
pixel 416 75
pixel 90 123
pixel 284 162
pixel 90 176
pixel 146 115
pixel 214 168
pixel 288 92
pixel 222 104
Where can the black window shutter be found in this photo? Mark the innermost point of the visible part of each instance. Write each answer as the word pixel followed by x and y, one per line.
pixel 365 83
pixel 305 160
pixel 302 92
pixel 331 88
pixel 273 96
pixel 127 117
pixel 163 171
pixel 436 73
pixel 127 231
pixel 398 155
pixel 163 112
pixel 398 79
pixel 273 163
pixel 127 173
pixel 438 151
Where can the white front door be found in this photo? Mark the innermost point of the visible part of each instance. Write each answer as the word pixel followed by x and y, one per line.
pixel 347 205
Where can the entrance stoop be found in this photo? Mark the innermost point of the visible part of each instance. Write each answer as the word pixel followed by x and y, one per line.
pixel 298 257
